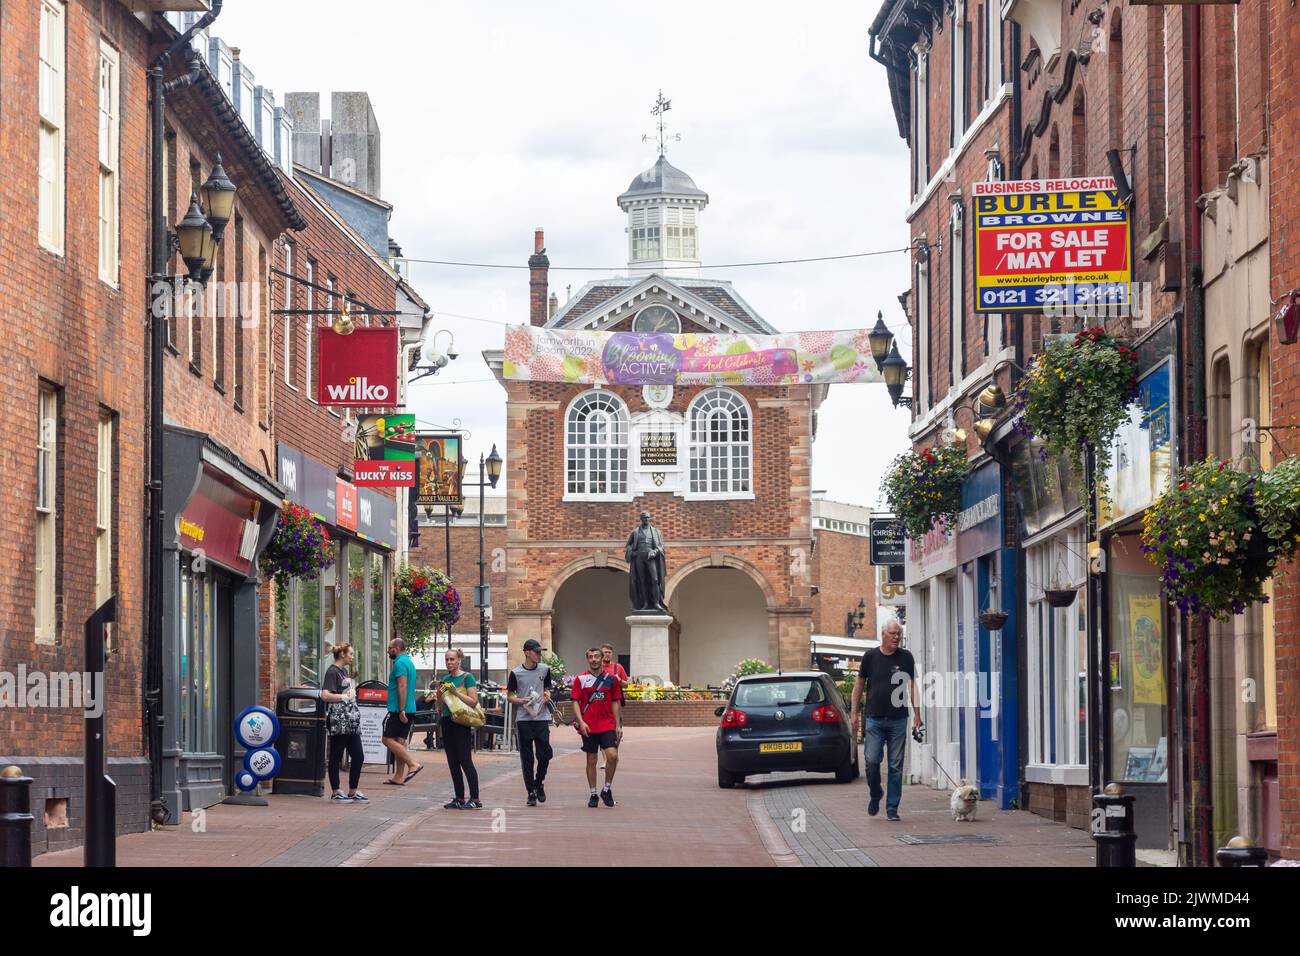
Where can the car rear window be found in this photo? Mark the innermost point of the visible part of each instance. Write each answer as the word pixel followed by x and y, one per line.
pixel 777 692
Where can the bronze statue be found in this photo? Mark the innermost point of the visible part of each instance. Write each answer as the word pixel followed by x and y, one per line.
pixel 645 554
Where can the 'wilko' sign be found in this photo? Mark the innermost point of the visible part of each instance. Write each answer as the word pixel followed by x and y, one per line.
pixel 1047 243
pixel 358 370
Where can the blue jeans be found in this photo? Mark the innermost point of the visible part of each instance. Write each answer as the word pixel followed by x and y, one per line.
pixel 879 731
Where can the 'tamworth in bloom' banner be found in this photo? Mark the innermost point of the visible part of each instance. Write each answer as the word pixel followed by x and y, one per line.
pixel 651 358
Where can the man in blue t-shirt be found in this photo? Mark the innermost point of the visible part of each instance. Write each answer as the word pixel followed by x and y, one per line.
pixel 401 705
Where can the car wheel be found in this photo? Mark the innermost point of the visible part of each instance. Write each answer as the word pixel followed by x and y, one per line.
pixel 727 780
pixel 846 773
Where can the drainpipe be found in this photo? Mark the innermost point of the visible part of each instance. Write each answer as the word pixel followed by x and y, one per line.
pixel 1197 630
pixel 160 286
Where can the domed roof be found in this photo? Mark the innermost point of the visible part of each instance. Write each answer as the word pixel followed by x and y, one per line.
pixel 662 179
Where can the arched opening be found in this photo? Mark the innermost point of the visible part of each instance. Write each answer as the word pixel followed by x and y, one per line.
pixel 590 609
pixel 721 617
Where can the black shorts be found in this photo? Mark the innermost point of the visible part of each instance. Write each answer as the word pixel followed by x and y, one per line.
pixel 394 728
pixel 600 740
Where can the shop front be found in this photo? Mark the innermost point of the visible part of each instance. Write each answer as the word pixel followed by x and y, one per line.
pixel 987 705
pixel 1138 639
pixel 222 512
pixel 348 602
pixel 932 635
pixel 1055 607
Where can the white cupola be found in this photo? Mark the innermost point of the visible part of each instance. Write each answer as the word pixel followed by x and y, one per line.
pixel 663 208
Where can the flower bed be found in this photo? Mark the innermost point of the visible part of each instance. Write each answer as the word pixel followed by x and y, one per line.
pixel 922 487
pixel 1217 534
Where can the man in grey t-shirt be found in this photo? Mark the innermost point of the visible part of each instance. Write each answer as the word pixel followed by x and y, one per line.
pixel 529 689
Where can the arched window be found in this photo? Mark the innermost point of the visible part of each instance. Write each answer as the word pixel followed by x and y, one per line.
pixel 596 445
pixel 720 443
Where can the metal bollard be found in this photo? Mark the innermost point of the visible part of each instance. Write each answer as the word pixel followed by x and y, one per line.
pixel 15 818
pixel 1237 853
pixel 1112 827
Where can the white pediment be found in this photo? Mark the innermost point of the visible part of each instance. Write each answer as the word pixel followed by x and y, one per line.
pixel 657 289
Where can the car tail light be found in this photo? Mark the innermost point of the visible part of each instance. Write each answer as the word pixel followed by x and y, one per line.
pixel 735 718
pixel 826 714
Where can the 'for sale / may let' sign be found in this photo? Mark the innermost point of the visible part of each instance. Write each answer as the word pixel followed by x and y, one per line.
pixel 1049 243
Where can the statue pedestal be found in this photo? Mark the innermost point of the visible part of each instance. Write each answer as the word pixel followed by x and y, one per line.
pixel 650 645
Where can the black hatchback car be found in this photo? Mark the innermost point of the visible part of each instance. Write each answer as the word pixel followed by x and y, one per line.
pixel 785 722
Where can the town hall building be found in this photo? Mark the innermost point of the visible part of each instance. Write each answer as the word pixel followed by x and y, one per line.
pixel 724 472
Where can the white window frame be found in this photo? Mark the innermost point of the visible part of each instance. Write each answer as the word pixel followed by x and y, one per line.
pixel 993 47
pixel 647 243
pixel 735 445
pixel 920 144
pixel 104 509
pixel 110 126
pixel 957 76
pixel 288 319
pixel 956 298
pixel 921 375
pixel 613 449
pixel 308 326
pixel 52 150
pixel 1059 674
pixel 46 559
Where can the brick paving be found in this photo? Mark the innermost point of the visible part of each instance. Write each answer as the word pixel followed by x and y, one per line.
pixel 670 813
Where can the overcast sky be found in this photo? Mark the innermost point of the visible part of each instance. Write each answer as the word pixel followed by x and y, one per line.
pixel 500 118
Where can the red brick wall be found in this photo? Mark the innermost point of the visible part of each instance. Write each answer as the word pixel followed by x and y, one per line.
pixel 66 327
pixel 842 572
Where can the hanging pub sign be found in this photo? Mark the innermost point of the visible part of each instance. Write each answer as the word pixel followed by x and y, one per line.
pixel 359 369
pixel 583 357
pixel 1045 244
pixel 888 546
pixel 384 451
pixel 439 466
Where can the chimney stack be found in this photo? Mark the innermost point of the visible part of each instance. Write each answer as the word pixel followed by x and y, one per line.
pixel 538 267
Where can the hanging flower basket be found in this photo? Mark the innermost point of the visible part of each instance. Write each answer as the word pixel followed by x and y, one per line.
pixel 424 602
pixel 299 548
pixel 1060 597
pixel 1076 395
pixel 922 487
pixel 1217 534
pixel 993 620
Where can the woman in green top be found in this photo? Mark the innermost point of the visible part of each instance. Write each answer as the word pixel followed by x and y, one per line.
pixel 457 739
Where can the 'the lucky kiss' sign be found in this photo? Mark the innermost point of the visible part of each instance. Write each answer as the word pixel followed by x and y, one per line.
pixel 359 369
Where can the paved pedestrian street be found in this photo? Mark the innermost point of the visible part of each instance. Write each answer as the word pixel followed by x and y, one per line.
pixel 670 812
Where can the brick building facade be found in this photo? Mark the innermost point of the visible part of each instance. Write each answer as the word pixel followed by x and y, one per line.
pixel 73 381
pixel 1186 101
pixel 738 543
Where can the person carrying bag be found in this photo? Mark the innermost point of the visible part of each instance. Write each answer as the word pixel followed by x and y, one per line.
pixel 459 695
pixel 343 724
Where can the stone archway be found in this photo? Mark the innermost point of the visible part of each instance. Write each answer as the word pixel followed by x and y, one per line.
pixel 588 608
pixel 723 617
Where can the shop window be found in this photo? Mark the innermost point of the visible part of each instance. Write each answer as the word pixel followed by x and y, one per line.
pixel 1058 652
pixel 1136 667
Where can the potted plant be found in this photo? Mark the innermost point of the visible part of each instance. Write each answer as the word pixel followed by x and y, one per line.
pixel 1218 533
pixel 1060 597
pixel 993 620
pixel 423 602
pixel 922 487
pixel 300 546
pixel 1075 396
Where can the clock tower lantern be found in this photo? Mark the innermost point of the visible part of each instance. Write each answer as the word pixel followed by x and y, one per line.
pixel 663 207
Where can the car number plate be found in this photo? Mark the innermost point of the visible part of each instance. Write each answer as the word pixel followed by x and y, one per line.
pixel 793 747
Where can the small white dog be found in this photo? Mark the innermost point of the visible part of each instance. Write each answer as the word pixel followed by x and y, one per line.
pixel 964 800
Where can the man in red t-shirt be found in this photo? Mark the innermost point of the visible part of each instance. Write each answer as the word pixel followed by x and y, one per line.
pixel 597 698
pixel 611 667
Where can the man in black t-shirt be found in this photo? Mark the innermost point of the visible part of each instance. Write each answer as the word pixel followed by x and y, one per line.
pixel 886 673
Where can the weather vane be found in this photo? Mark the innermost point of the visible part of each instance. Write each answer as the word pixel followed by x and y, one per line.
pixel 661 107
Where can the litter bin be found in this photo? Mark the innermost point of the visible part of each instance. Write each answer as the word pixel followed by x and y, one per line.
pixel 301 742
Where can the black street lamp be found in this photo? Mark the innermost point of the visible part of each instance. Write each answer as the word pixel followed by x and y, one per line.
pixel 218 199
pixel 856 619
pixel 880 338
pixel 491 465
pixel 194 236
pixel 895 371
